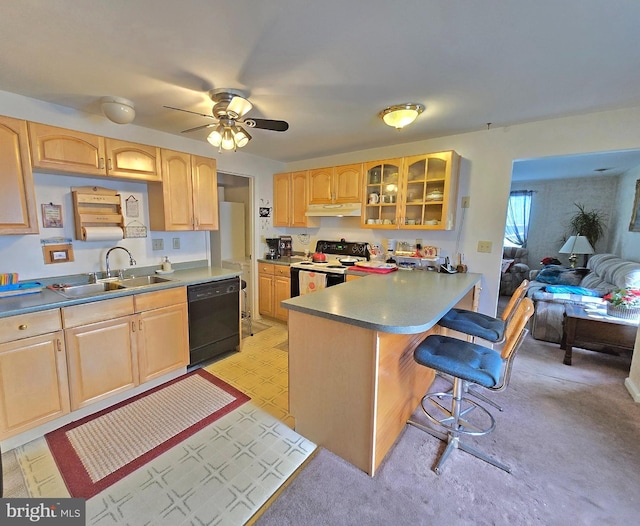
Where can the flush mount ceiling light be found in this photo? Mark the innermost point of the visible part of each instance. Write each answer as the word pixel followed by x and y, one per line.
pixel 118 110
pixel 400 115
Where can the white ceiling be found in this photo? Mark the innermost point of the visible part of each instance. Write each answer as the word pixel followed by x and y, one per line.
pixel 328 67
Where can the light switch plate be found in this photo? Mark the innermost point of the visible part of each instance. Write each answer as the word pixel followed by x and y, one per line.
pixel 176 243
pixel 466 201
pixel 157 244
pixel 484 246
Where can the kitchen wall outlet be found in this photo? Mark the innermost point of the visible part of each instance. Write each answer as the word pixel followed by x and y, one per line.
pixel 484 246
pixel 176 243
pixel 157 244
pixel 465 201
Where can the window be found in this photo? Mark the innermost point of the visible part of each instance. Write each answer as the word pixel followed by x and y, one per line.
pixel 518 212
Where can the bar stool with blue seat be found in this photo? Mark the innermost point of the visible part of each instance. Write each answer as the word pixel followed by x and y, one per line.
pixel 471 363
pixel 483 326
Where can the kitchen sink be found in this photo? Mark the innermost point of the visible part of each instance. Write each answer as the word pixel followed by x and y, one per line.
pixel 107 285
pixel 89 289
pixel 140 281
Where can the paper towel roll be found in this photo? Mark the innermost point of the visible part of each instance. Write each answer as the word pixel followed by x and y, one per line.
pixel 102 233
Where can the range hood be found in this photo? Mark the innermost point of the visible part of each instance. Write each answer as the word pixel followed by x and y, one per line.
pixel 338 210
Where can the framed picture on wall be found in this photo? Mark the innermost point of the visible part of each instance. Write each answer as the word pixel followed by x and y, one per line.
pixel 634 226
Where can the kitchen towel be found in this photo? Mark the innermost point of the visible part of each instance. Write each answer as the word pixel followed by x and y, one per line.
pixel 102 233
pixel 311 282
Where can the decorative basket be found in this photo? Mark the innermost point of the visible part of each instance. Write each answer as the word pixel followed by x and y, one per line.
pixel 626 313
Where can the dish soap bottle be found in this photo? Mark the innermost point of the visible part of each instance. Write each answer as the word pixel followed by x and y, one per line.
pixel 166 264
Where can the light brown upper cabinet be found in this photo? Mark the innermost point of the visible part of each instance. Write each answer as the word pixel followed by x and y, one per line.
pixel 338 184
pixel 17 199
pixel 60 150
pixel 187 198
pixel 290 200
pixel 414 193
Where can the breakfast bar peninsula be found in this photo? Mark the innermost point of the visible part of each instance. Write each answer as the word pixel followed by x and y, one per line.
pixel 353 381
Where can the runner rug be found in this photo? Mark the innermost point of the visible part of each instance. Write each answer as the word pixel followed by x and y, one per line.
pixel 97 451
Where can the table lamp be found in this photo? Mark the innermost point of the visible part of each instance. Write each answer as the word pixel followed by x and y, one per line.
pixel 576 245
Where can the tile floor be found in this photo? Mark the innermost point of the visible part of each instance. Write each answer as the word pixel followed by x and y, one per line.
pixel 220 475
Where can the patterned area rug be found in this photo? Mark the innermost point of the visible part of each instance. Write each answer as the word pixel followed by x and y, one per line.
pixel 97 451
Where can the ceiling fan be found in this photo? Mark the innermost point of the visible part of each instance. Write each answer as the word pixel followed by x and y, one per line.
pixel 229 108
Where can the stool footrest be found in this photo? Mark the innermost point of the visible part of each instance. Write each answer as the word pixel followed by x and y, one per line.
pixel 443 416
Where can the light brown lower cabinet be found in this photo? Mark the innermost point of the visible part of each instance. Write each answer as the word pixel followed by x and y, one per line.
pixel 102 353
pixel 274 286
pixel 145 337
pixel 106 347
pixel 163 332
pixel 33 382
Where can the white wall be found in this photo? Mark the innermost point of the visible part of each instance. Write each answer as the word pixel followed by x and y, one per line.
pixel 23 254
pixel 485 175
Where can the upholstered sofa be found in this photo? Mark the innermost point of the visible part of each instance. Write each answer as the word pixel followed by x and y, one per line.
pixel 515 269
pixel 605 273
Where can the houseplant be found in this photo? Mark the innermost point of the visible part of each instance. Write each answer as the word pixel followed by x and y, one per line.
pixel 590 224
pixel 623 303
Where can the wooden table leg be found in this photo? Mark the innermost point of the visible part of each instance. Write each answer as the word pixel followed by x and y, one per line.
pixel 568 337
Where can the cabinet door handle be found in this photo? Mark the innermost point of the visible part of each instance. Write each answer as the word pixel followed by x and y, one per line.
pixel 139 325
pixel 133 326
pixel 110 164
pixel 59 344
pixel 23 327
pixel 101 163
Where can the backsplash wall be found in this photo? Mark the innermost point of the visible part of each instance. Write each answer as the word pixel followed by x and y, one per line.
pixel 23 254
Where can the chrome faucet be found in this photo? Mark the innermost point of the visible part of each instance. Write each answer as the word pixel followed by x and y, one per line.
pixel 131 260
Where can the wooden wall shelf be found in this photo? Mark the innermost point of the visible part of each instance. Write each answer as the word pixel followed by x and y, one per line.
pixel 94 206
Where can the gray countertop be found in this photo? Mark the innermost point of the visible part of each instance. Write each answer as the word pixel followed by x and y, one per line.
pixel 402 302
pixel 286 261
pixel 49 299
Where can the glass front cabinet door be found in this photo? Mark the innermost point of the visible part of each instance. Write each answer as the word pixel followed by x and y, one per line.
pixel 415 193
pixel 382 196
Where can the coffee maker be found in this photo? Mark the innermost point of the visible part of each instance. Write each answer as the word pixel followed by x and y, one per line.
pixel 285 246
pixel 273 244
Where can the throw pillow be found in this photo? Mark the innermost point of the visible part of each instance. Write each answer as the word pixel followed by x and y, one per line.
pixel 506 264
pixel 557 275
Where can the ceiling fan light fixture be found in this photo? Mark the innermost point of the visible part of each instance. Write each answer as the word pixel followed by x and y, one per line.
pixel 401 115
pixel 118 109
pixel 228 143
pixel 241 136
pixel 215 137
pixel 238 107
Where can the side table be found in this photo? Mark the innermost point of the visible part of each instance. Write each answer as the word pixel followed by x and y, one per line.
pixel 595 327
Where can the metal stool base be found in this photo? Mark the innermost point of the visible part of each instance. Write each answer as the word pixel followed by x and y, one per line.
pixel 455 420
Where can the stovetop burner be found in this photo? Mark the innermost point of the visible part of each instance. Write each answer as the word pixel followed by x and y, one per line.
pixel 334 250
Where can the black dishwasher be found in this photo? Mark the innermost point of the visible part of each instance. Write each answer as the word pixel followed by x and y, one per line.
pixel 214 319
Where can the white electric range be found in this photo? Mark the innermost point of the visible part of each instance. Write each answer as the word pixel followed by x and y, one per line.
pixel 334 270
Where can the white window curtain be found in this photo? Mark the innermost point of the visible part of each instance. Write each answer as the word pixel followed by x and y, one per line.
pixel 518 212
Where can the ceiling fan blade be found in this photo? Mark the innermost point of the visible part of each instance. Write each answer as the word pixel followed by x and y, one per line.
pixel 267 124
pixel 188 111
pixel 199 128
pixel 238 107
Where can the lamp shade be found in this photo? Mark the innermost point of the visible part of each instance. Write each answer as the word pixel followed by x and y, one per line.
pixel 118 110
pixel 401 115
pixel 577 245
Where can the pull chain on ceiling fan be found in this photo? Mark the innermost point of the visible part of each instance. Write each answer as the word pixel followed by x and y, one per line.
pixel 228 111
